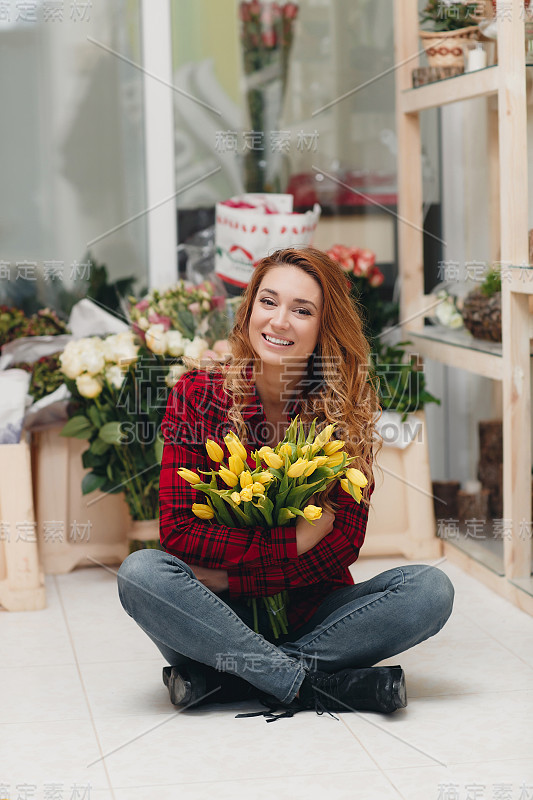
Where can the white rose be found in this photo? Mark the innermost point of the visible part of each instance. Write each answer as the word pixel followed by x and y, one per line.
pixel 143 323
pixel 156 339
pixel 92 355
pixel 121 348
pixel 195 348
pixel 114 376
pixel 70 360
pixel 174 374
pixel 88 386
pixel 175 343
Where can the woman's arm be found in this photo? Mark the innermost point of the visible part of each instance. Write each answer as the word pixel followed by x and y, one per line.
pixel 332 555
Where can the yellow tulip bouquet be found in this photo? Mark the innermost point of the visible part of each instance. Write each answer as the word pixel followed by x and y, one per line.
pixel 276 491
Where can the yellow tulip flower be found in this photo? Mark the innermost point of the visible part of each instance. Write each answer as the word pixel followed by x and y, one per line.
pixel 285 449
pixel 264 450
pixel 303 449
pixel 246 494
pixel 246 479
pixel 236 464
pixel 335 460
pixel 202 511
pixel 258 488
pixel 264 477
pixel 312 512
pixel 356 477
pixel 310 469
pixel 333 447
pixel 321 461
pixel 345 483
pixel 229 477
pixel 323 437
pixel 297 469
pixel 273 460
pixel 214 451
pixel 235 446
pixel 189 476
pixel 235 496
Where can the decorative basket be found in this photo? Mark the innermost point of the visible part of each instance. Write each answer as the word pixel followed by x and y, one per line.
pixel 482 315
pixel 445 48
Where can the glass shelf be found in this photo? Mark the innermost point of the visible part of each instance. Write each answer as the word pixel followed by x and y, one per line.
pixel 459 337
pixel 452 78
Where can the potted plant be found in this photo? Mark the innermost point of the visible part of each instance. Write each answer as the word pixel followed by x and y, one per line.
pixel 482 309
pixel 451 23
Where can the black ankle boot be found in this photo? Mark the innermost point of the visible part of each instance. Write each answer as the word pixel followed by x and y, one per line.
pixel 199 684
pixel 370 689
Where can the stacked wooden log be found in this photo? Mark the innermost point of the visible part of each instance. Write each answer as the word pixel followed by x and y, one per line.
pixel 490 467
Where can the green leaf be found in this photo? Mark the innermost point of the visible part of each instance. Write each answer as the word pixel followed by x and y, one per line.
pixel 311 436
pixel 78 427
pixel 99 448
pixel 110 432
pixel 158 447
pixel 91 482
pixel 94 416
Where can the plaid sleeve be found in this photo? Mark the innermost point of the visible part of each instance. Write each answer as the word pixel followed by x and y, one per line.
pixel 329 558
pixel 182 533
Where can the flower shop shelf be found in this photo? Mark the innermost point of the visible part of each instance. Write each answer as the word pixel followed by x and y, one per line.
pixel 480 83
pixel 458 348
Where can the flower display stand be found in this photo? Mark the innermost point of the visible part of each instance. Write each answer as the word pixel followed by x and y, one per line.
pixel 21 577
pixel 401 520
pixel 73 529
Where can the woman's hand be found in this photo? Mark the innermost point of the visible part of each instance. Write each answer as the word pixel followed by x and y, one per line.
pixel 214 579
pixel 308 535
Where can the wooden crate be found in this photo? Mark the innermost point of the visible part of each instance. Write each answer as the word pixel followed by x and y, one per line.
pixel 73 529
pixel 21 576
pixel 401 520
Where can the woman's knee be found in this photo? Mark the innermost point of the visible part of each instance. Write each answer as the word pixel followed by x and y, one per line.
pixel 436 593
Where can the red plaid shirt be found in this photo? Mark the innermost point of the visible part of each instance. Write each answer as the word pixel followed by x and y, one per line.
pixel 259 562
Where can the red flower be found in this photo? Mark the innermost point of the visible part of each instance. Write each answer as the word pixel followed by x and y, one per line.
pixel 375 277
pixel 268 38
pixel 290 10
pixel 244 12
pixel 343 256
pixel 276 11
pixel 255 8
pixel 365 260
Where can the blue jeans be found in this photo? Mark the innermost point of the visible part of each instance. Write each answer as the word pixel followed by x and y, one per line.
pixel 355 626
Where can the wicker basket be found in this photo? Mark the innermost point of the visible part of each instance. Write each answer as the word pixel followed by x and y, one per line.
pixel 482 315
pixel 445 48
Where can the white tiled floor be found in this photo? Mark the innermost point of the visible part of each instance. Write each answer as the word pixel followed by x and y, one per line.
pixel 82 708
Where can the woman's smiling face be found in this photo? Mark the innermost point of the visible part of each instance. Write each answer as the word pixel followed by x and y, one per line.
pixel 286 315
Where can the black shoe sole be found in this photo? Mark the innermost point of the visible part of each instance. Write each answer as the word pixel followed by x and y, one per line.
pixel 179 688
pixel 399 692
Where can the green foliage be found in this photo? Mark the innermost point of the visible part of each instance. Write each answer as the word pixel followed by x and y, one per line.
pixel 492 283
pixel 400 379
pixel 450 17
pixel 123 427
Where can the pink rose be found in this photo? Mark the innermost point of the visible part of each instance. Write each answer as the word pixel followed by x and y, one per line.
pixel 268 38
pixel 142 305
pixel 375 277
pixel 290 10
pixel 194 308
pixel 244 12
pixel 255 8
pixel 365 261
pixel 221 347
pixel 343 256
pixel 218 302
pixel 157 319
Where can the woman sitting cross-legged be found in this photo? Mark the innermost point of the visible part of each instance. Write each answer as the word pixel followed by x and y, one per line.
pixel 297 348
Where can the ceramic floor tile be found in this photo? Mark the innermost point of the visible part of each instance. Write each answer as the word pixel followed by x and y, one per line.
pixel 41 693
pixel 486 780
pixel 211 745
pixel 43 753
pixel 118 689
pixel 452 729
pixel 100 628
pixel 36 637
pixel 345 786
pixel 439 667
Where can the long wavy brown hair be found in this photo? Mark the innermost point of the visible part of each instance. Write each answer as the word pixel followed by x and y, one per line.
pixel 338 387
